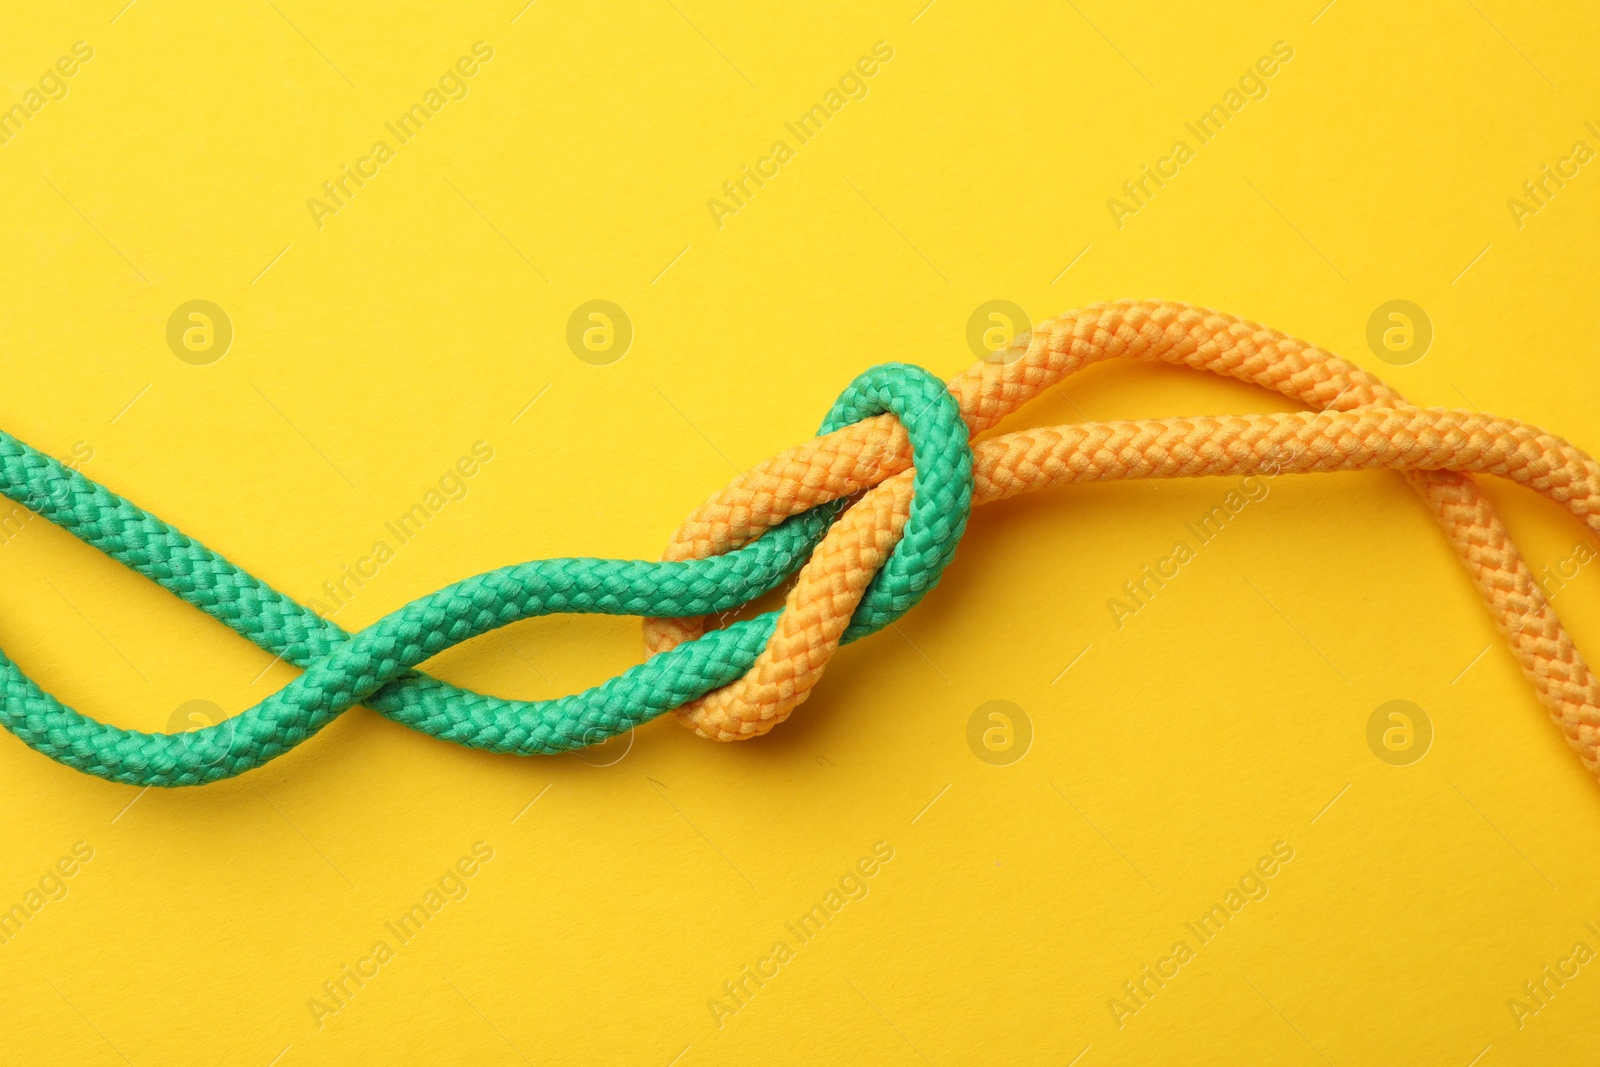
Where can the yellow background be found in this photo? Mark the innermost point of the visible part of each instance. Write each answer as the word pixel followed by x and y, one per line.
pixel 371 352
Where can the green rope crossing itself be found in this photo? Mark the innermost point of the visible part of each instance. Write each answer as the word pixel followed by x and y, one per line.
pixel 376 667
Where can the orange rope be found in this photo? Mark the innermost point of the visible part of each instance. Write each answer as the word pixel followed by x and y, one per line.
pixel 1361 423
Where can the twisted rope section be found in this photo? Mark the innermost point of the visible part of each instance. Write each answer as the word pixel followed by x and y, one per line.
pixel 878 502
pixel 377 666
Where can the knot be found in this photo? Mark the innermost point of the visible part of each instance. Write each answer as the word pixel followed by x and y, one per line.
pixel 865 517
pixel 872 567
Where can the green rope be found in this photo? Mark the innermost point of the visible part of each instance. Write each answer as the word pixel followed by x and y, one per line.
pixel 376 667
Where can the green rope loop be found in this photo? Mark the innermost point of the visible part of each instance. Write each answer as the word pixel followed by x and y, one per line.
pixel 376 667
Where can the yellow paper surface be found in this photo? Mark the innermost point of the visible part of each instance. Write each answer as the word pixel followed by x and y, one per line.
pixel 618 905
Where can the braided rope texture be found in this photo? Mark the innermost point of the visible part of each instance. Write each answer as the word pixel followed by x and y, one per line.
pixel 865 518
